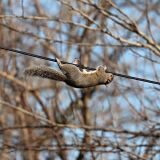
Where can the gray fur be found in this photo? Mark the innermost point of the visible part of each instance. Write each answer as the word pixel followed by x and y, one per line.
pixel 72 75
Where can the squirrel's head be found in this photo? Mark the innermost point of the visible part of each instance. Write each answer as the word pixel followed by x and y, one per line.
pixel 104 77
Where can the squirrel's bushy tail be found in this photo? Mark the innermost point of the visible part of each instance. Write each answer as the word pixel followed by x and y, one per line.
pixel 45 72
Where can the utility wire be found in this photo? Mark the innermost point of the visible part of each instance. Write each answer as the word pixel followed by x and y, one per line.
pixel 89 68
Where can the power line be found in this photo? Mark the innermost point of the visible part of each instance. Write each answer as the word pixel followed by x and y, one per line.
pixel 54 60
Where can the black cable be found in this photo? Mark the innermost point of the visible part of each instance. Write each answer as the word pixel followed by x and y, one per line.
pixel 54 60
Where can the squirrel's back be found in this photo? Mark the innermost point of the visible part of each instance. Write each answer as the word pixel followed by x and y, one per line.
pixel 83 79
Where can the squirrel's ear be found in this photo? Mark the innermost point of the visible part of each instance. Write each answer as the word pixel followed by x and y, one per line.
pixel 105 68
pixel 100 68
pixel 76 61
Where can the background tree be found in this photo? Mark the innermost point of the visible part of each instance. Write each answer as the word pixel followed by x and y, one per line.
pixel 43 119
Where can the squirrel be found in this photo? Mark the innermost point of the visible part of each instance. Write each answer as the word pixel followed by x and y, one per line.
pixel 72 75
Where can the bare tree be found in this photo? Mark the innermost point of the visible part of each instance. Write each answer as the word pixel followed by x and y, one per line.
pixel 44 119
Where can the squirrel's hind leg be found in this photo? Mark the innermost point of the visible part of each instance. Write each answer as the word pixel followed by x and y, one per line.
pixel 61 66
pixel 69 70
pixel 59 63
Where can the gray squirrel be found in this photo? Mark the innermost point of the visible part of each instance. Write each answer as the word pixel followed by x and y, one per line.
pixel 72 75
